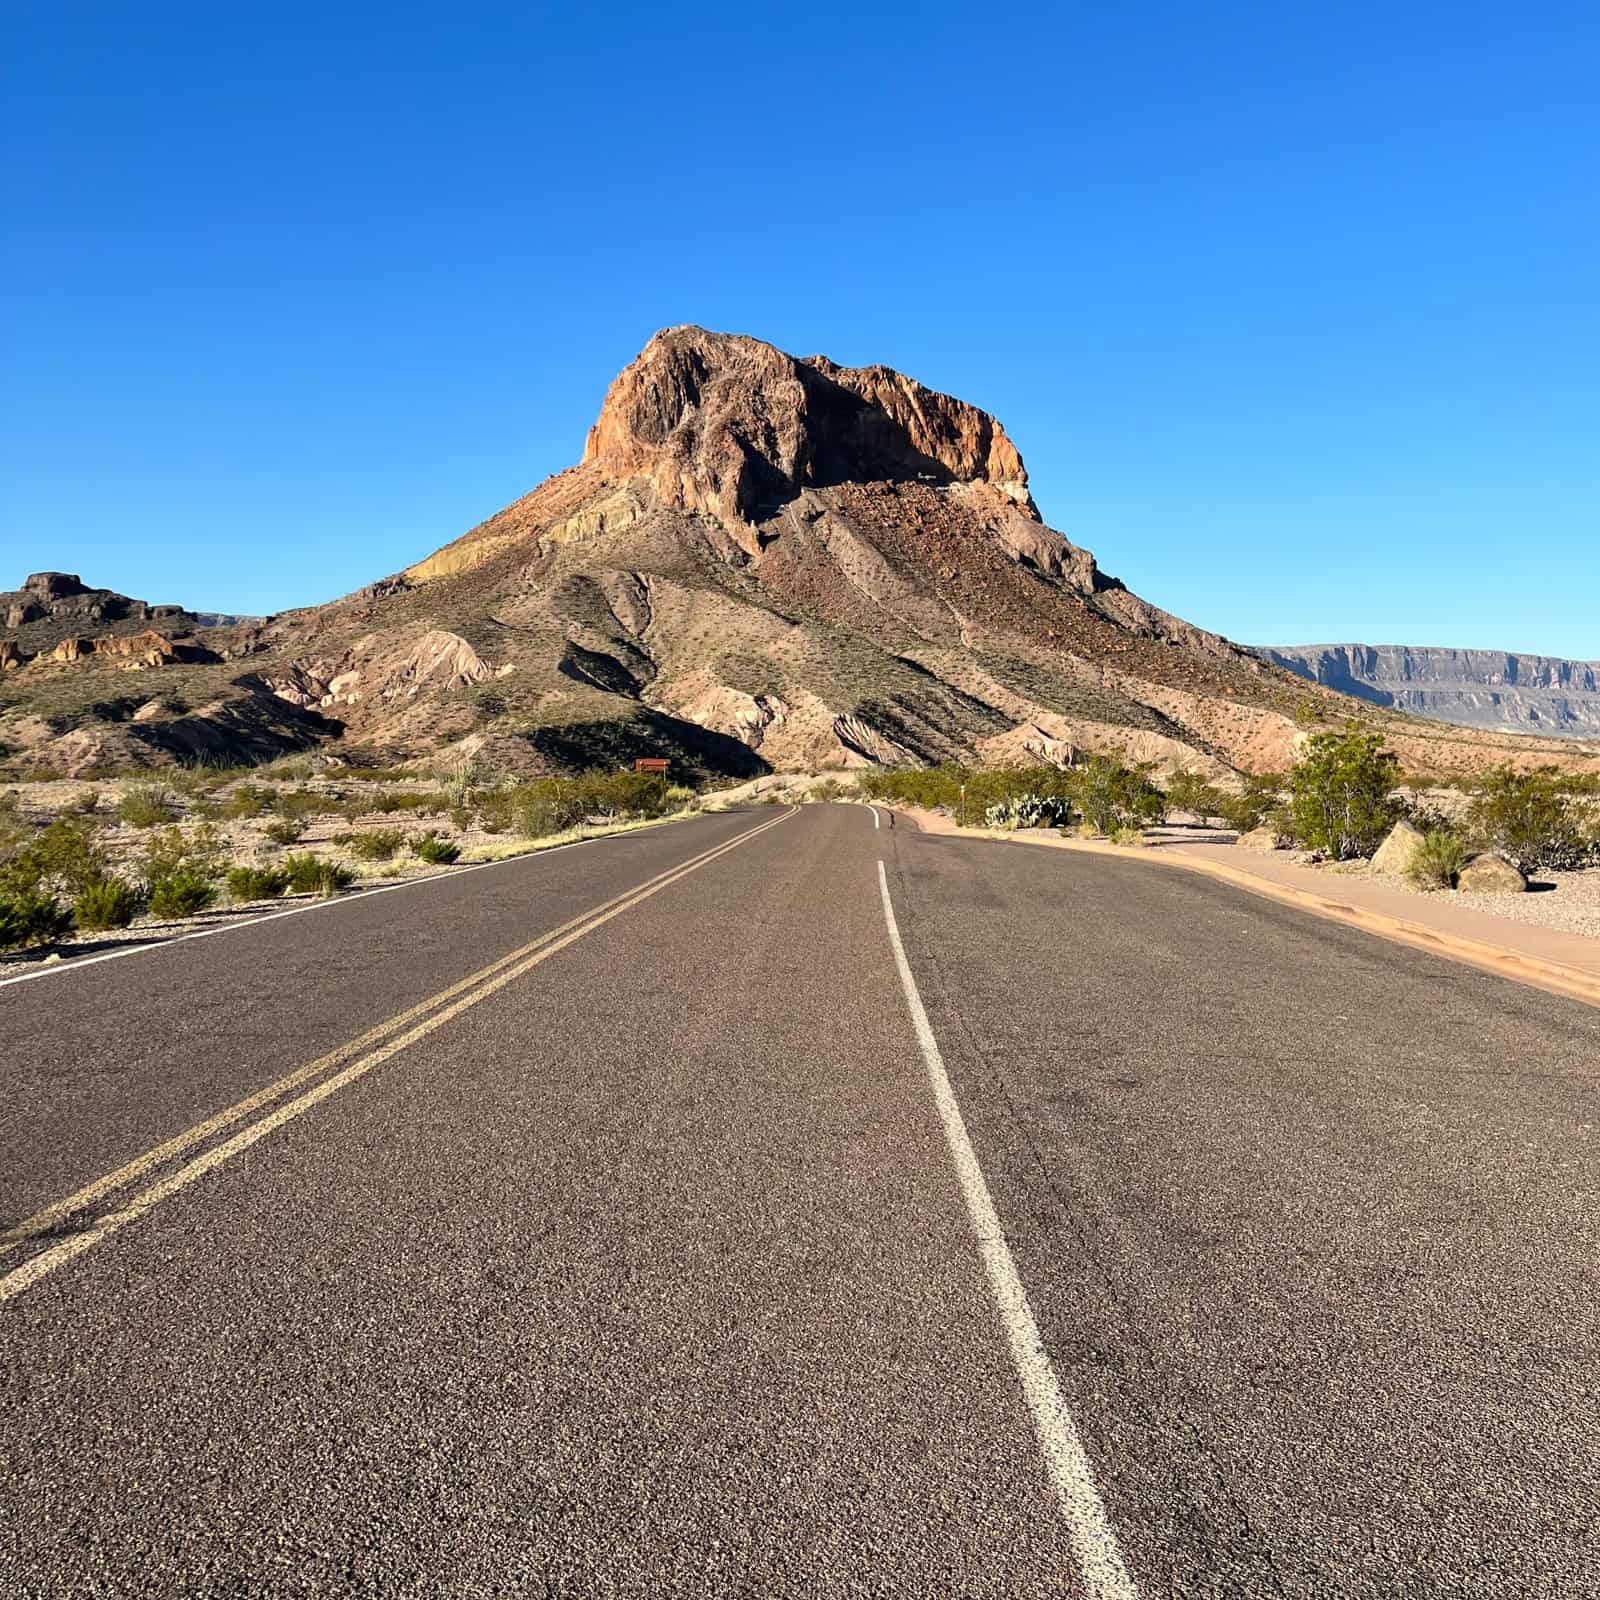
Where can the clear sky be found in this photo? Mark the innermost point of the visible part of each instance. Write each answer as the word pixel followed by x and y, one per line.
pixel 1291 309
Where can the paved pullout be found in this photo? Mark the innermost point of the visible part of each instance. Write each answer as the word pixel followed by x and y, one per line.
pixel 648 1271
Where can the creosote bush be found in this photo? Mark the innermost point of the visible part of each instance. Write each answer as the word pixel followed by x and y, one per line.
pixel 314 874
pixel 107 903
pixel 1542 819
pixel 285 830
pixel 1436 863
pixel 1342 793
pixel 256 883
pixel 183 892
pixel 30 917
pixel 381 844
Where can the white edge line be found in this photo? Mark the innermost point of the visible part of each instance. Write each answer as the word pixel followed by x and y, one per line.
pixel 874 811
pixel 67 964
pixel 1089 1531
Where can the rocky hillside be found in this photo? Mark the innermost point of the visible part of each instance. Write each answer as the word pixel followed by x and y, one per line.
pixel 759 562
pixel 1475 688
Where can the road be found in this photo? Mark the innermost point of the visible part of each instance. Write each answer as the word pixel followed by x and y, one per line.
pixel 612 1222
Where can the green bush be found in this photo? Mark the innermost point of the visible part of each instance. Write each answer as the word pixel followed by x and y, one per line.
pixel 1126 834
pixel 107 903
pixel 1342 793
pixel 31 917
pixel 1112 795
pixel 381 844
pixel 1540 819
pixel 934 787
pixel 199 853
pixel 1248 810
pixel 295 805
pixel 285 830
pixel 1188 791
pixel 246 801
pixel 314 874
pixel 63 854
pixel 182 892
pixel 147 805
pixel 1436 863
pixel 402 800
pixel 256 883
pixel 435 851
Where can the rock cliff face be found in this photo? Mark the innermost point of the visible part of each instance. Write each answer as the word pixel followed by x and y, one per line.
pixel 1473 688
pixel 760 561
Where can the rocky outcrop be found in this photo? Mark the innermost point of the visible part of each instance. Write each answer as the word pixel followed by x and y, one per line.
pixel 1474 688
pixel 728 425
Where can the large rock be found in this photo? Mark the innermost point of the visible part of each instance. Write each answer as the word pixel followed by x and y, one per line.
pixel 1395 853
pixel 1261 839
pixel 1491 873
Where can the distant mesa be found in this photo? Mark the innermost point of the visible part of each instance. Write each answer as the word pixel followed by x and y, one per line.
pixel 1472 688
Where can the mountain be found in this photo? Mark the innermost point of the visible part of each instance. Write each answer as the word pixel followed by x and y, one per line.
pixel 760 561
pixel 1475 688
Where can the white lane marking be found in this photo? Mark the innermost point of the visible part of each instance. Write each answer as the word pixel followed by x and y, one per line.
pixel 58 1255
pixel 1089 1529
pixel 68 964
pixel 874 811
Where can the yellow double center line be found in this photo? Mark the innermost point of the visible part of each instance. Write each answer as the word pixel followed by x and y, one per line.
pixel 356 1058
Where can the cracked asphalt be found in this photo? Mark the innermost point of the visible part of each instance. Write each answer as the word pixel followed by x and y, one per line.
pixel 649 1274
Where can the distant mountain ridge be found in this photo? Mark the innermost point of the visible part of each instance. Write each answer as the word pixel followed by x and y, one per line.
pixel 1472 688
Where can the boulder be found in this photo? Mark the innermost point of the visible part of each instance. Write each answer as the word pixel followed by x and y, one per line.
pixel 1395 853
pixel 1491 873
pixel 1261 839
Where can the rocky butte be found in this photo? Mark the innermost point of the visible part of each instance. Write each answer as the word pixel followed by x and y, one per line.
pixel 760 561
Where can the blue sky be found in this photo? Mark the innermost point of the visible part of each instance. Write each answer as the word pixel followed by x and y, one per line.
pixel 1291 310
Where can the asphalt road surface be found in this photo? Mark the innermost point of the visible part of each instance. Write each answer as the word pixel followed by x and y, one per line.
pixel 712 1211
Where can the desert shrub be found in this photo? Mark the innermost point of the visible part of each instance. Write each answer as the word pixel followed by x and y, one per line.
pixel 1251 807
pixel 295 805
pixel 1540 819
pixel 314 874
pixel 31 917
pixel 1126 834
pixel 86 805
pixel 198 853
pixel 381 844
pixel 148 805
pixel 1111 794
pixel 256 883
pixel 552 805
pixel 1436 863
pixel 246 801
pixel 497 810
pixel 461 818
pixel 435 851
pixel 1188 791
pixel 63 855
pixel 823 793
pixel 285 830
pixel 393 800
pixel 1029 811
pixel 182 892
pixel 935 787
pixel 1342 793
pixel 680 797
pixel 107 903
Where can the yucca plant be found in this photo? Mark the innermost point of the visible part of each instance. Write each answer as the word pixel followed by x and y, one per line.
pixel 1436 863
